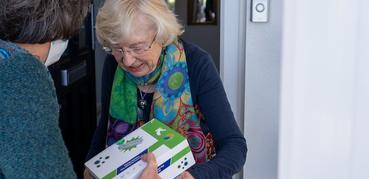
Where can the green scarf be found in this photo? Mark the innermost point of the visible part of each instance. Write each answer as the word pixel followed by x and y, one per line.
pixel 124 107
pixel 172 89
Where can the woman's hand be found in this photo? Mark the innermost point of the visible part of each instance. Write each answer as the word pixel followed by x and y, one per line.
pixel 151 170
pixel 86 174
pixel 185 175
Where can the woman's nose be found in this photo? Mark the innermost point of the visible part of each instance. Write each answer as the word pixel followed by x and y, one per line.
pixel 128 59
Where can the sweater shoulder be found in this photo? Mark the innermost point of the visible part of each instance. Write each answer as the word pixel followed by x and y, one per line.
pixel 24 81
pixel 196 56
pixel 201 67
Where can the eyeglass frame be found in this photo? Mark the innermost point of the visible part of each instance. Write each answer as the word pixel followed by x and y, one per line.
pixel 109 50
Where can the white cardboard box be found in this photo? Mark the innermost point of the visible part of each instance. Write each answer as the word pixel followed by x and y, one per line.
pixel 122 160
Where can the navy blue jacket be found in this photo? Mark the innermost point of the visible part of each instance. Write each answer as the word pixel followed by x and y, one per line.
pixel 208 92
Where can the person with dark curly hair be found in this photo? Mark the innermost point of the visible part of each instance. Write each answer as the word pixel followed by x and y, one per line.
pixel 33 35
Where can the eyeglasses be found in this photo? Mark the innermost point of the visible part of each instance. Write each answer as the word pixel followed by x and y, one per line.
pixel 137 50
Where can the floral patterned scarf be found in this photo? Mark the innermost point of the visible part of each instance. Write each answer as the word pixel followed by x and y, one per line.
pixel 172 102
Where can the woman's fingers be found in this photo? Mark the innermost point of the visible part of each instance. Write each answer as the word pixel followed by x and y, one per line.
pixel 86 174
pixel 151 170
pixel 185 175
pixel 150 159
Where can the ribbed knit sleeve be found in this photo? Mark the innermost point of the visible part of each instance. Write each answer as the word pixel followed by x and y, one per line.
pixel 31 144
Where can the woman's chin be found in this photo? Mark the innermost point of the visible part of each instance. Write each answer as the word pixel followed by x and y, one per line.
pixel 138 73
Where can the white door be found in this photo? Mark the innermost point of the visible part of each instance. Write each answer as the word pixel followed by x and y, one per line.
pixel 325 90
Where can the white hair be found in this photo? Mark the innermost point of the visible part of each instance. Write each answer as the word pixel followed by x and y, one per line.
pixel 117 20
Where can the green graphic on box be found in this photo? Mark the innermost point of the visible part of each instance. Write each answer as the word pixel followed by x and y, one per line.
pixel 165 135
pixel 122 159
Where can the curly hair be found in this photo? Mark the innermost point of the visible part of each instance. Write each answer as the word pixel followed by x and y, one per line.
pixel 40 21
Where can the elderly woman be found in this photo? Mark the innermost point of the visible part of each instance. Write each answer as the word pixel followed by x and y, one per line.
pixel 33 35
pixel 158 75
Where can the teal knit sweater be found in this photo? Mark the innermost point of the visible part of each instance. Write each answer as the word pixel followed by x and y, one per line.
pixel 31 144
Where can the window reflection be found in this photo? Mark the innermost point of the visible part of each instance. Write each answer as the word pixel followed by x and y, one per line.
pixel 202 11
pixel 171 4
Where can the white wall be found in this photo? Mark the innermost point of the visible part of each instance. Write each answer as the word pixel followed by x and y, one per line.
pixel 325 90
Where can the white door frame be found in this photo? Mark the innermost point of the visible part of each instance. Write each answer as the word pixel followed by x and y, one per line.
pixel 232 55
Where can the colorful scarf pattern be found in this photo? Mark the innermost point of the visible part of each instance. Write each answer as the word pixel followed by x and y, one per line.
pixel 172 102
